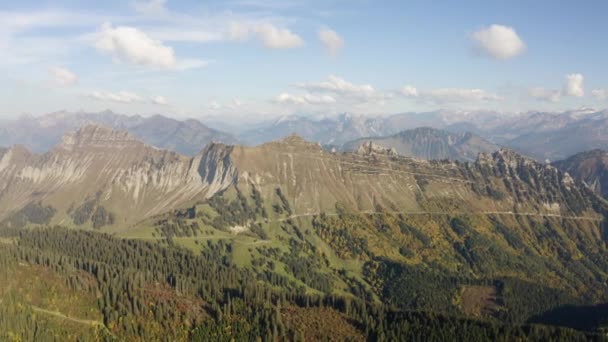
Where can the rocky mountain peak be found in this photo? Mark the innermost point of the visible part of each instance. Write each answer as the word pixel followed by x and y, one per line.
pixel 294 141
pixel 293 138
pixel 506 157
pixel 370 147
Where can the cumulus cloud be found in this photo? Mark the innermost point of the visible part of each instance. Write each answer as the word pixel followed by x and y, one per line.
pixel 271 36
pixel 498 41
pixel 305 99
pixel 331 40
pixel 126 97
pixel 600 94
pixel 63 77
pixel 130 45
pixel 574 85
pixel 449 95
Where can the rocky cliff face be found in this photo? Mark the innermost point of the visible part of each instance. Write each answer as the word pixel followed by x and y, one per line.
pixel 215 168
pixel 99 169
pixel 369 148
pixel 128 178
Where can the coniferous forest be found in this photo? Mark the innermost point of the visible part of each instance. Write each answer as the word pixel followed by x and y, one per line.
pixel 145 291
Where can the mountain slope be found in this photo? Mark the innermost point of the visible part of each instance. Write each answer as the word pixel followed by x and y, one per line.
pixel 41 133
pixel 415 234
pixel 589 167
pixel 429 143
pixel 378 218
pixel 98 173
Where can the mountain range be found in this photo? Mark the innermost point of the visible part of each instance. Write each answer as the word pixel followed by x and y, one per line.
pixel 541 135
pixel 431 144
pixel 41 133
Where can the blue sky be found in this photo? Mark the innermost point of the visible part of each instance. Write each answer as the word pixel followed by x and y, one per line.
pixel 253 59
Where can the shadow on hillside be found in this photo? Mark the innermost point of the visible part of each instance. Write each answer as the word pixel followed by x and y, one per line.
pixel 580 317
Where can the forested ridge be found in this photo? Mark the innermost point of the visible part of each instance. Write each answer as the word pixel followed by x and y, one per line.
pixel 146 291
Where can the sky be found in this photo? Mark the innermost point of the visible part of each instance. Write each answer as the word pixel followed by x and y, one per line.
pixel 248 60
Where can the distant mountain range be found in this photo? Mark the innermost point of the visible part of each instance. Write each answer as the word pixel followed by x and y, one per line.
pixel 556 137
pixel 343 128
pixel 541 135
pixel 590 167
pixel 41 133
pixel 432 144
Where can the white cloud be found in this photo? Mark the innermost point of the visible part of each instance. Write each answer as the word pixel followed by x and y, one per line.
pixel 278 38
pixel 574 85
pixel 332 41
pixel 271 36
pixel 130 45
pixel 343 88
pixel 160 100
pixel 127 97
pixel 305 99
pixel 600 94
pixel 121 97
pixel 63 77
pixel 450 95
pixel 498 41
pixel 543 94
pixel 409 91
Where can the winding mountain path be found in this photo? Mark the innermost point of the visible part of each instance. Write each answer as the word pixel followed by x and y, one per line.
pixel 63 316
pixel 370 212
